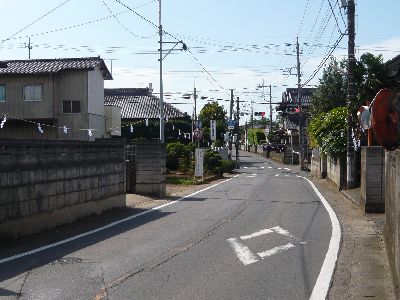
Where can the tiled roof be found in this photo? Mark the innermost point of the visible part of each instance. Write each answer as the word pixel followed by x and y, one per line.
pixel 48 66
pixel 139 103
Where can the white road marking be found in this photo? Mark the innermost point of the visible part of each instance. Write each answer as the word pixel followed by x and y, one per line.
pixel 288 169
pixel 276 250
pixel 298 176
pixel 276 175
pixel 269 167
pixel 17 256
pixel 256 234
pixel 245 167
pixel 242 252
pixel 254 174
pixel 262 167
pixel 250 176
pixel 325 275
pixel 287 175
pixel 246 256
pixel 279 168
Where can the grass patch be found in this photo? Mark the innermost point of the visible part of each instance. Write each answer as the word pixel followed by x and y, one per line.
pixel 181 180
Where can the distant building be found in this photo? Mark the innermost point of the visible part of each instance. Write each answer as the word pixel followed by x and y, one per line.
pixel 139 104
pixel 60 94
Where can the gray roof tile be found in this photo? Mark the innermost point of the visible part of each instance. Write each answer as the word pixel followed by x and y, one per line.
pixel 139 103
pixel 48 66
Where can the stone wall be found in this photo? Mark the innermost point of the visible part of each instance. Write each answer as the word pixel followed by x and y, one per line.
pixel 392 212
pixel 44 184
pixel 150 168
pixel 372 179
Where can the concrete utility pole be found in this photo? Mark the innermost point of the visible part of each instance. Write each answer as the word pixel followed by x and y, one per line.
pixel 237 132
pixel 301 137
pixel 350 94
pixel 161 79
pixel 230 118
pixel 270 108
pixel 29 46
pixel 270 102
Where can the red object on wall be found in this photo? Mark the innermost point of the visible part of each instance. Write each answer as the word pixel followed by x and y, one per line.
pixel 385 118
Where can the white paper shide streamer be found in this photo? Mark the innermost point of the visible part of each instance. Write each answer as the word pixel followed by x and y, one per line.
pixel 3 122
pixel 39 126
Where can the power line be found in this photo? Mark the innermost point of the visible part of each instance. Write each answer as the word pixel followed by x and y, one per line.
pixel 302 19
pixel 126 28
pixel 323 61
pixel 37 20
pixel 334 15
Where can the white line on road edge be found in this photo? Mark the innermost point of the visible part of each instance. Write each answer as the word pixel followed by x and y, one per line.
pixel 242 252
pixel 322 284
pixel 14 257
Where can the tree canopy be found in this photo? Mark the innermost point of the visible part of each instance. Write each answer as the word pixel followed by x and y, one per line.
pixel 213 111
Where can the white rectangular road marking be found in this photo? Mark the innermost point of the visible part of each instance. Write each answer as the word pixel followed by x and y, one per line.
pixel 287 169
pixel 269 167
pixel 242 252
pixel 275 250
pixel 255 234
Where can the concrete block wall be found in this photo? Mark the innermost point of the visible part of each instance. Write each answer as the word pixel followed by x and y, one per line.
pixel 318 164
pixel 150 168
pixel 392 213
pixel 372 179
pixel 335 170
pixel 48 183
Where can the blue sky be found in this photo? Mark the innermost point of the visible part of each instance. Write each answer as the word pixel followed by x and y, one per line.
pixel 240 43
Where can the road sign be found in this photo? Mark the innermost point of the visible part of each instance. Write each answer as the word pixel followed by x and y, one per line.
pixel 231 124
pixel 198 134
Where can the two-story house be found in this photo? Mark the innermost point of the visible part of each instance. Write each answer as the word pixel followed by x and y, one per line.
pixel 65 96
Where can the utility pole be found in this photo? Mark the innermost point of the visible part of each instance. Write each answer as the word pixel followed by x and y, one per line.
pixel 237 132
pixel 301 137
pixel 29 46
pixel 270 108
pixel 350 94
pixel 161 79
pixel 230 118
pixel 270 102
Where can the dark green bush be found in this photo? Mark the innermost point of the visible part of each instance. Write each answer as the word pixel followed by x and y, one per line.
pixel 176 153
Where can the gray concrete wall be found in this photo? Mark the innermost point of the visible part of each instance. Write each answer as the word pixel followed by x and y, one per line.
pixel 318 164
pixel 334 170
pixel 372 179
pixel 392 212
pixel 150 168
pixel 48 183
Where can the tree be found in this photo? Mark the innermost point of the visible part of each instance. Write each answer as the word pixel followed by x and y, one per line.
pixel 328 131
pixel 213 111
pixel 332 89
pixel 370 76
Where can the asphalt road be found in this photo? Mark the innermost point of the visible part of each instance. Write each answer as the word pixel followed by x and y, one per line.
pixel 262 234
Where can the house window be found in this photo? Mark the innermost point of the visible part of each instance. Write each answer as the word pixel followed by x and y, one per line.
pixel 71 107
pixel 2 92
pixel 33 92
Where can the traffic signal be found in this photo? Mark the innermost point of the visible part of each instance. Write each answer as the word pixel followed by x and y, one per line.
pixel 292 110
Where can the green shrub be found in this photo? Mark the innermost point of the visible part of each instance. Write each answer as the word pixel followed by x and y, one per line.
pixel 177 152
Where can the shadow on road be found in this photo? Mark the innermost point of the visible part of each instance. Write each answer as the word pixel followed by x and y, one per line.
pixel 24 264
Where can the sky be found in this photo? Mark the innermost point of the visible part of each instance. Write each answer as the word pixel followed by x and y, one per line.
pixel 232 44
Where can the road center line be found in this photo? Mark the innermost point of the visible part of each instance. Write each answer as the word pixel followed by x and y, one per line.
pixel 17 256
